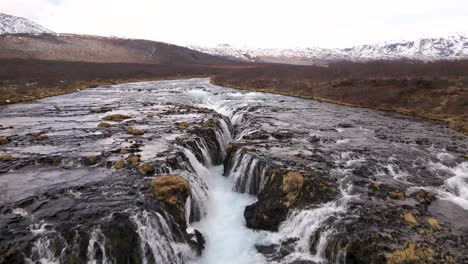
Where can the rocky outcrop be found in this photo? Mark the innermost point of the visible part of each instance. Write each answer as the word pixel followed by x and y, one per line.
pixel 174 192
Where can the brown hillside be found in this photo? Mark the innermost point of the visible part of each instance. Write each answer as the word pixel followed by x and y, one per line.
pixel 85 48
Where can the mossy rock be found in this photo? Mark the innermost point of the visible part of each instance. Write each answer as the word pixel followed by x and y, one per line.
pixel 3 140
pixel 120 164
pixel 6 158
pixel 104 125
pixel 91 160
pixel 291 187
pixel 433 222
pixel 116 118
pixel 146 169
pixel 133 160
pixel 409 218
pixel 172 190
pixel 397 195
pixel 410 254
pixel 135 131
pixel 123 151
pixel 40 136
pixel 182 125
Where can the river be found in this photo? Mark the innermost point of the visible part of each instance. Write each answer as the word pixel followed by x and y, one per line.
pixel 360 174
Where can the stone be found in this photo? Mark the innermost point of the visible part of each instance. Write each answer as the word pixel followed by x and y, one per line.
pixel 410 254
pixel 182 125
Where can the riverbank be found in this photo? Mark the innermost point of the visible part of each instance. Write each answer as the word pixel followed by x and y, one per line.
pixel 27 80
pixel 416 91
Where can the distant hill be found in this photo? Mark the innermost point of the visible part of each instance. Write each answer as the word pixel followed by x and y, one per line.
pixel 84 48
pixel 15 25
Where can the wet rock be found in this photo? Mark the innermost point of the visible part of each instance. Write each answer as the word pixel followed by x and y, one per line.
pixel 90 160
pixel 6 157
pixel 314 139
pixel 257 135
pixel 120 164
pixel 135 131
pixel 116 118
pixel 3 140
pixel 104 125
pixel 282 135
pixel 146 169
pixel 196 240
pixel 345 125
pixel 423 197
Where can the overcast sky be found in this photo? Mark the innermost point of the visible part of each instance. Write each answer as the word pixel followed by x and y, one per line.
pixel 255 23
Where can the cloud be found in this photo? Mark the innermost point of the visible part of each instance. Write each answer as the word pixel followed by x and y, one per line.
pixel 273 23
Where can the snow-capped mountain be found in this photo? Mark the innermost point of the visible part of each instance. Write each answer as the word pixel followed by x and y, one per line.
pixel 426 49
pixel 17 25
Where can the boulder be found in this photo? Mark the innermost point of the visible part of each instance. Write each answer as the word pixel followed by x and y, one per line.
pixel 6 157
pixel 120 164
pixel 104 125
pixel 135 131
pixel 146 169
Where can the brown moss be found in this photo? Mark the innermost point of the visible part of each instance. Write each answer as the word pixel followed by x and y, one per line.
pixel 40 136
pixel 173 190
pixel 133 160
pixel 291 187
pixel 6 157
pixel 3 140
pixel 410 254
pixel 104 125
pixel 116 117
pixel 182 125
pixel 409 218
pixel 123 151
pixel 91 160
pixel 120 164
pixel 146 169
pixel 135 131
pixel 433 222
pixel 397 195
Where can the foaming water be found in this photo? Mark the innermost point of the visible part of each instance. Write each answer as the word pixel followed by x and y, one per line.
pixel 228 240
pixel 455 188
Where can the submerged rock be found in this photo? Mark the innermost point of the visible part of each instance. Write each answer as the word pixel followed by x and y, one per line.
pixel 40 136
pixel 104 125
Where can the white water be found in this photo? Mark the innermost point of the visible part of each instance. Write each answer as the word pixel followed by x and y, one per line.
pixel 228 240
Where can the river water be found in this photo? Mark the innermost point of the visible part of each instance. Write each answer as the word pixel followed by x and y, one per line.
pixel 58 205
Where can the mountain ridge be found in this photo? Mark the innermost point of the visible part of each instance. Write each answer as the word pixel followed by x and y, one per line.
pixel 423 49
pixel 18 25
